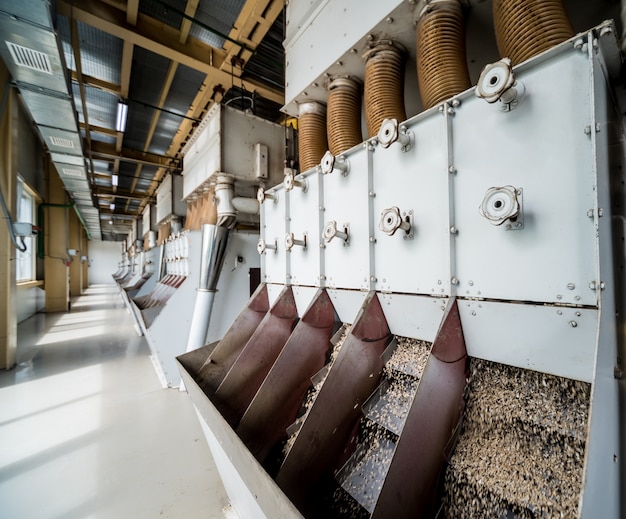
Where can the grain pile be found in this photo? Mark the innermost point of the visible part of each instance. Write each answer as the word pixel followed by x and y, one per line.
pixel 385 414
pixel 318 382
pixel 522 446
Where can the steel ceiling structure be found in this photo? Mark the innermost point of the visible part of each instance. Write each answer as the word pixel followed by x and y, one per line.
pixel 167 61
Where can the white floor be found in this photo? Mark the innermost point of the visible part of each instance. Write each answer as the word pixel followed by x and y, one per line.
pixel 87 432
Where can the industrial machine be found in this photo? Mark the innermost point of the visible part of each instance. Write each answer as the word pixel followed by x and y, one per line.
pixel 206 267
pixel 440 329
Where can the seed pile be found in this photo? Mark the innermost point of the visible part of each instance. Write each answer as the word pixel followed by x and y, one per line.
pixel 409 357
pixel 521 450
pixel 385 412
pixel 365 479
pixel 314 390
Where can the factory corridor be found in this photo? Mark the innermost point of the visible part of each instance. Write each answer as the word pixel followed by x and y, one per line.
pixel 88 432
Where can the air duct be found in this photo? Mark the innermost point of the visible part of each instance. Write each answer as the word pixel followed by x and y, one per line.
pixel 525 29
pixel 384 84
pixel 343 123
pixel 441 63
pixel 312 142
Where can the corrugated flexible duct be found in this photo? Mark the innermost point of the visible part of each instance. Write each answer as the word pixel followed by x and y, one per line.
pixel 343 123
pixel 527 28
pixel 441 61
pixel 384 84
pixel 312 142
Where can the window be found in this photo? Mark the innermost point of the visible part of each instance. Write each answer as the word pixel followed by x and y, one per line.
pixel 26 205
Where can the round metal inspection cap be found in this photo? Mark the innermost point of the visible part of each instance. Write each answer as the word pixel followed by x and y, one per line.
pixel 500 204
pixel 260 195
pixel 494 80
pixel 390 220
pixel 388 133
pixel 328 163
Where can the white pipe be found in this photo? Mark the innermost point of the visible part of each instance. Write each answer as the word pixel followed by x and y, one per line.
pixel 200 319
pixel 246 205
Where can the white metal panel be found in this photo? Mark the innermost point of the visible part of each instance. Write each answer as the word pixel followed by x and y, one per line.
pixel 347 303
pixel 346 201
pixel 551 339
pixel 303 297
pixel 164 198
pixel 273 291
pixel 202 156
pixel 145 221
pixel 233 287
pixel 304 219
pixel 415 181
pixel 273 231
pixel 542 148
pixel 413 316
pixel 240 134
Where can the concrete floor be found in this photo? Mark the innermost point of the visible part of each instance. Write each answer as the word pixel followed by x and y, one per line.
pixel 86 431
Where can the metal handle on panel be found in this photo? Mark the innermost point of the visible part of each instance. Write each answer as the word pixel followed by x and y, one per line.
pixel 331 232
pixel 330 163
pixel 391 220
pixel 262 195
pixel 291 181
pixel 262 246
pixel 291 241
pixel 497 83
pixel 391 132
pixel 503 204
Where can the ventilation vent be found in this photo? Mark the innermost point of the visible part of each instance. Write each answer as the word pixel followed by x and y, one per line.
pixel 62 142
pixel 72 172
pixel 29 58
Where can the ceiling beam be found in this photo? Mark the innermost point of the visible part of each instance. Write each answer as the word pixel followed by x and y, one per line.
pixel 108 151
pixel 99 129
pixel 132 10
pixel 101 192
pixel 98 83
pixel 161 39
pixel 185 26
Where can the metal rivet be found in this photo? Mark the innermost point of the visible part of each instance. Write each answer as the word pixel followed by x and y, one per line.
pixel 571 286
pixel 453 230
pixel 573 324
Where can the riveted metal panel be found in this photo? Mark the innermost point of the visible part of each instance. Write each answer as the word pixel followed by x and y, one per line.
pixel 305 220
pixel 541 148
pixel 556 340
pixel 416 182
pixel 347 201
pixel 274 227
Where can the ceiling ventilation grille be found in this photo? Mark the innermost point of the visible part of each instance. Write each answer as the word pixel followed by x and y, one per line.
pixel 72 172
pixel 29 58
pixel 62 142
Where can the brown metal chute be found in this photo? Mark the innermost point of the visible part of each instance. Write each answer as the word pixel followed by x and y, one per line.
pixel 441 62
pixel 312 141
pixel 525 29
pixel 384 85
pixel 343 122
